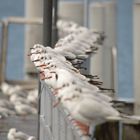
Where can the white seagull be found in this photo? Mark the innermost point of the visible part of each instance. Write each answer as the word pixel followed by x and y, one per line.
pixel 13 134
pixel 88 109
pixel 24 109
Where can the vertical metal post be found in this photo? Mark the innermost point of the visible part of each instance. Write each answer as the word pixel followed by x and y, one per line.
pixel 4 51
pixel 47 41
pixel 86 12
pixel 1 51
pixel 47 22
pixel 55 18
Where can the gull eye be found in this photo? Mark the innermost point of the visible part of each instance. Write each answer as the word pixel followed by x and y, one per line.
pixel 56 76
pixel 67 85
pixel 63 85
pixel 73 82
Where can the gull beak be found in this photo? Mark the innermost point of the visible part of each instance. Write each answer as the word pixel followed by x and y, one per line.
pixel 31 48
pixel 41 65
pixel 33 53
pixel 41 72
pixel 36 60
pixel 29 54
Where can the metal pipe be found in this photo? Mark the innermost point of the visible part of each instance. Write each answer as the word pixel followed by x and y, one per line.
pixel 4 51
pixel 55 18
pixel 47 40
pixel 47 22
pixel 1 49
pixel 86 13
pixel 21 20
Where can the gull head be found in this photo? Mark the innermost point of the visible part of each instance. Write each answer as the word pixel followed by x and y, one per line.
pixel 12 131
pixel 50 78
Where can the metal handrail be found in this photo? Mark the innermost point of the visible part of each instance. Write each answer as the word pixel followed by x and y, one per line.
pixel 5 32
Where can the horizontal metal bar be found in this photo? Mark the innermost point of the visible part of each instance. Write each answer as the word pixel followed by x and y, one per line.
pixel 21 20
pixel 5 31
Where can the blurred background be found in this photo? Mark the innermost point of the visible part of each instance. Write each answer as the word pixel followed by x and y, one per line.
pixel 117 62
pixel 118 19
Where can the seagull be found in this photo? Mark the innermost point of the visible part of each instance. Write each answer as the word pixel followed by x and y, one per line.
pixel 74 48
pixel 88 109
pixel 63 77
pixel 13 134
pixel 24 109
pixel 33 96
pixel 53 63
pixel 67 27
pixel 44 65
pixel 5 112
pixel 9 89
pixel 79 43
pixel 86 103
pixel 6 104
pixel 15 98
pixel 94 93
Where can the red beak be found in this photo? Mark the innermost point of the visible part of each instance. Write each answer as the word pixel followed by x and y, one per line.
pixel 36 60
pixel 41 65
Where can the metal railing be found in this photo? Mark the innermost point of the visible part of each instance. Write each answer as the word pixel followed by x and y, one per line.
pixel 54 122
pixel 5 33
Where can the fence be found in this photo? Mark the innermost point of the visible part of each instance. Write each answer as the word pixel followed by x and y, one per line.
pixel 54 122
pixel 4 42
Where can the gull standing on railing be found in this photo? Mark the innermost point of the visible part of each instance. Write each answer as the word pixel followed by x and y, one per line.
pixel 71 88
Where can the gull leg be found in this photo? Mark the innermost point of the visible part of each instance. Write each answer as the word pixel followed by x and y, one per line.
pixel 84 128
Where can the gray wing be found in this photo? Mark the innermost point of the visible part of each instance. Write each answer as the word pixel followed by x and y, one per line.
pixel 93 110
pixel 77 48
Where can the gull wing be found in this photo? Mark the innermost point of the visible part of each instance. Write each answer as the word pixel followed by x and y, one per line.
pixel 77 48
pixel 94 110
